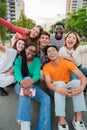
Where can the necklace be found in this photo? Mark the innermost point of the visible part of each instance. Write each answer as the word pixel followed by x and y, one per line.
pixel 69 52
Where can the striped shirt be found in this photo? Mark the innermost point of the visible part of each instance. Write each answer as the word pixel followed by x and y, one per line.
pixel 58 43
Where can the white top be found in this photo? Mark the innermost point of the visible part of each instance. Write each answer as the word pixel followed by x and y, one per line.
pixel 75 54
pixel 6 59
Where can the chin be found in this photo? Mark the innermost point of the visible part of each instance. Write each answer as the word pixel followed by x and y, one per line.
pixel 32 36
pixel 53 59
pixel 58 37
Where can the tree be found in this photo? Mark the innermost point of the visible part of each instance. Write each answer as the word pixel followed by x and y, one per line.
pixel 77 21
pixel 52 26
pixel 25 22
pixel 51 29
pixel 3 30
pixel 68 26
pixel 1 1
pixel 80 21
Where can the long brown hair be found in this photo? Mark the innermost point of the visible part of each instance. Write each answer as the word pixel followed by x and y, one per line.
pixel 35 40
pixel 14 46
pixel 24 67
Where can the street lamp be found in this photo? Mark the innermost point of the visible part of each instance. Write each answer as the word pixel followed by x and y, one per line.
pixel 58 16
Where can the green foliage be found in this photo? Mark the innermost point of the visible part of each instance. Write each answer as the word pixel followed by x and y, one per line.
pixel 52 26
pixel 3 10
pixel 52 29
pixel 68 24
pixel 25 22
pixel 3 30
pixel 77 21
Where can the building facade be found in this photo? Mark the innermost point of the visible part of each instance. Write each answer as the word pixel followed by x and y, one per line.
pixel 14 8
pixel 74 5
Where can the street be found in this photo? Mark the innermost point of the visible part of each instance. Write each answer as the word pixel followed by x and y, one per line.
pixel 8 107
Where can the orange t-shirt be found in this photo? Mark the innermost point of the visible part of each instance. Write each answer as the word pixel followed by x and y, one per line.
pixel 60 72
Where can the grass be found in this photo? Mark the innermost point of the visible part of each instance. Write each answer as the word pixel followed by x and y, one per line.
pixel 7 41
pixel 83 43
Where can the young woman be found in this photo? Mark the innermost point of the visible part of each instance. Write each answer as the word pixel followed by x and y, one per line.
pixel 27 73
pixel 72 50
pixel 7 57
pixel 27 34
pixel 19 46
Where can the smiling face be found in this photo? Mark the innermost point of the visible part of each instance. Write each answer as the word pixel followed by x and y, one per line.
pixel 71 41
pixel 34 32
pixel 52 53
pixel 30 52
pixel 20 44
pixel 44 41
pixel 59 32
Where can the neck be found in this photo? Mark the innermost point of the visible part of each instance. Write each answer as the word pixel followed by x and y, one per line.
pixel 56 61
pixel 29 62
pixel 42 47
pixel 69 48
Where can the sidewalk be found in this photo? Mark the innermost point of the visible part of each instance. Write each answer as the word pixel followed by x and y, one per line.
pixel 8 107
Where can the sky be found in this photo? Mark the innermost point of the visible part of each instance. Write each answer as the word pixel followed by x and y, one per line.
pixel 44 9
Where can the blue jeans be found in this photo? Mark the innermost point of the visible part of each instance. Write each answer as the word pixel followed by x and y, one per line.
pixel 23 112
pixel 60 99
pixel 83 70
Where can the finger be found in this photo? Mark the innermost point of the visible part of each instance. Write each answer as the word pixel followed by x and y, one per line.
pixel 75 93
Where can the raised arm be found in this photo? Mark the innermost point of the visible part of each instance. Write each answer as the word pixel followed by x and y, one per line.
pixel 82 49
pixel 10 26
pixel 2 48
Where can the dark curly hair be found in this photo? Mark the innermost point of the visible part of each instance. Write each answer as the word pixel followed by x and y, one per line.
pixel 24 69
pixel 46 48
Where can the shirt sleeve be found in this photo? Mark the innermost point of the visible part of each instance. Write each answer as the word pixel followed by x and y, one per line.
pixel 10 26
pixel 17 70
pixel 82 49
pixel 61 52
pixel 46 70
pixel 70 65
pixel 11 53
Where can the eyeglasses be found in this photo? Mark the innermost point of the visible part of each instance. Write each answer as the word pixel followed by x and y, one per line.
pixel 31 51
pixel 51 51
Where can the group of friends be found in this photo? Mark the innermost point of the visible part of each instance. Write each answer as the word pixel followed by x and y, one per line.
pixel 58 56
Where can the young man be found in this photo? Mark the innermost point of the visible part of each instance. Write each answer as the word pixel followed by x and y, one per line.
pixel 44 40
pixel 57 38
pixel 57 77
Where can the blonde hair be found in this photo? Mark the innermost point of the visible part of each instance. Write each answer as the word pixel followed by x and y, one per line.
pixel 77 39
